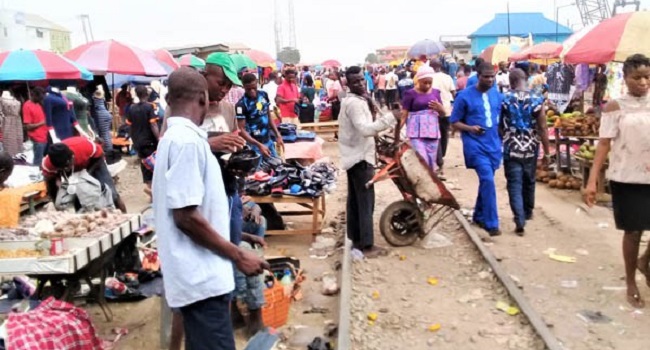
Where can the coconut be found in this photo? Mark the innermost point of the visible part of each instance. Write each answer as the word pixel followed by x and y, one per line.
pixel 545 180
pixel 561 184
pixel 553 183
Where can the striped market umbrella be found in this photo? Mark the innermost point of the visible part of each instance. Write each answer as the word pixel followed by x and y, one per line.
pixel 495 54
pixel 426 47
pixel 542 51
pixel 190 60
pixel 261 58
pixel 613 39
pixel 165 57
pixel 110 56
pixel 32 65
pixel 242 61
pixel 331 63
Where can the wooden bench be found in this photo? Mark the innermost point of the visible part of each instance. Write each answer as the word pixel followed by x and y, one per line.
pixel 322 127
pixel 316 209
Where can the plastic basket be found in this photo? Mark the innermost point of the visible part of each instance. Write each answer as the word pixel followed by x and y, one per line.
pixel 275 312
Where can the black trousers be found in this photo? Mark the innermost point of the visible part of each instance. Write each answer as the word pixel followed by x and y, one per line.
pixel 445 125
pixel 360 206
pixel 391 97
pixel 207 324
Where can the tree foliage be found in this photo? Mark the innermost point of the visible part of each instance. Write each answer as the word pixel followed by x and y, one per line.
pixel 372 58
pixel 289 55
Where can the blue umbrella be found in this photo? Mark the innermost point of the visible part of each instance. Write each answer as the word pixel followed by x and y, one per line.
pixel 425 47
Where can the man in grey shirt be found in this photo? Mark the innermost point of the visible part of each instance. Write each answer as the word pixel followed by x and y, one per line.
pixel 357 129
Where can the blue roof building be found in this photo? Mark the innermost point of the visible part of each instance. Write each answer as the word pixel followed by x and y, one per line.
pixel 521 25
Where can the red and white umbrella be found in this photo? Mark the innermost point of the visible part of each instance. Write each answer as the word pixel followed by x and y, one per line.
pixel 332 63
pixel 109 56
pixel 165 57
pixel 260 58
pixel 614 39
pixel 542 51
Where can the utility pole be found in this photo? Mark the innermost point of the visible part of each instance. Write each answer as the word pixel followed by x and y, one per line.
pixel 87 28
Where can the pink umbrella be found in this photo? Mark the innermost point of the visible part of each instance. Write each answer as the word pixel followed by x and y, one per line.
pixel 260 58
pixel 547 50
pixel 102 57
pixel 165 57
pixel 331 63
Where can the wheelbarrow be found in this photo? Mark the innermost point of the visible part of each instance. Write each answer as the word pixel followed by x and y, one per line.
pixel 425 197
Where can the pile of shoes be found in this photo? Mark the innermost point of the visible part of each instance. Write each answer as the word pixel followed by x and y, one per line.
pixel 276 178
pixel 291 134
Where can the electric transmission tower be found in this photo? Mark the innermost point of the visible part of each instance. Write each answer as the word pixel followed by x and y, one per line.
pixel 285 27
pixel 593 11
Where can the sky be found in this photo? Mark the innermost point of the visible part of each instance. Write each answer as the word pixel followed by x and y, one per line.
pixel 346 30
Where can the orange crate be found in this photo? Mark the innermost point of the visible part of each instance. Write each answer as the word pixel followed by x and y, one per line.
pixel 275 312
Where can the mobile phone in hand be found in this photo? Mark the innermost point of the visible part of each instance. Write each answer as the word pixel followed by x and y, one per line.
pixel 481 130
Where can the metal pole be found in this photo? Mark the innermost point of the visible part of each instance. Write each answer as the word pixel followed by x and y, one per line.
pixel 508 5
pixel 557 25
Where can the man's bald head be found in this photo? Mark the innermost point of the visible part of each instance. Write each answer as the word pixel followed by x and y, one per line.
pixel 187 94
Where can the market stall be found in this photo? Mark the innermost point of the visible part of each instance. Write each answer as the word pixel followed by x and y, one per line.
pixel 60 249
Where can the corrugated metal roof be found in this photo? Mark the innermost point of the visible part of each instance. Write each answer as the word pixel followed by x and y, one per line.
pixel 520 24
pixel 36 21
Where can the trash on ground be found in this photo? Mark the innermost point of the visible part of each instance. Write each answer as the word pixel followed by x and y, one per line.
pixel 434 327
pixel 557 257
pixel 593 316
pixel 432 281
pixel 435 240
pixel 569 284
pixel 505 307
pixel 372 317
pixel 402 257
pixel 330 286
pixel 316 310
pixel 375 295
pixel 319 344
pixel 322 247
pixel 356 254
pixel 603 225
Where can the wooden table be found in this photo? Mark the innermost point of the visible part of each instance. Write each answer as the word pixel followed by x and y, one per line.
pixel 316 208
pixel 321 127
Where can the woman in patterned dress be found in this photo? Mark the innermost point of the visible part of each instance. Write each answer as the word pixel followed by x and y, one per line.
pixel 12 125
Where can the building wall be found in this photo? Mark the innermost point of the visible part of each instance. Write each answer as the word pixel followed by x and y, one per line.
pixel 481 43
pixel 15 34
pixel 60 41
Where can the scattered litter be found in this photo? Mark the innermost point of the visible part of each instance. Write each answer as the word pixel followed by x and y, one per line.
pixel 402 257
pixel 317 310
pixel 593 316
pixel 468 213
pixel 375 295
pixel 636 313
pixel 432 281
pixel 510 310
pixel 434 327
pixel 614 288
pixel 383 310
pixel 319 344
pixel 372 317
pixel 569 284
pixel 581 251
pixel 561 258
pixel 322 247
pixel 603 225
pixel 435 240
pixel 356 254
pixel 517 281
pixel 329 287
pixel 484 275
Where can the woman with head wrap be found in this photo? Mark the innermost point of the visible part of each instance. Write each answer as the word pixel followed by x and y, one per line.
pixel 421 108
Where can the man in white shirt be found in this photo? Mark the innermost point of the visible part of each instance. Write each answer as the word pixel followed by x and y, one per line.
pixel 271 89
pixel 445 84
pixel 357 148
pixel 503 78
pixel 192 215
pixel 391 88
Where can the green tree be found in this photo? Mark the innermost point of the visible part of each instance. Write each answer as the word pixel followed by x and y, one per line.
pixel 289 55
pixel 372 58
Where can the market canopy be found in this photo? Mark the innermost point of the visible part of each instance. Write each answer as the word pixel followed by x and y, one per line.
pixel 546 50
pixel 261 58
pixel 165 57
pixel 110 56
pixel 331 63
pixel 426 47
pixel 190 60
pixel 495 54
pixel 613 39
pixel 32 65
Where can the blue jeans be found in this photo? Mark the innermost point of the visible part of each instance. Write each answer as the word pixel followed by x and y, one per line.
pixel 520 176
pixel 207 324
pixel 236 218
pixel 39 152
pixel 486 211
pixel 250 290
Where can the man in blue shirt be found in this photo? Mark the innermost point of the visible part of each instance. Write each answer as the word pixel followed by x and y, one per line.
pixel 473 78
pixel 253 119
pixel 476 115
pixel 523 124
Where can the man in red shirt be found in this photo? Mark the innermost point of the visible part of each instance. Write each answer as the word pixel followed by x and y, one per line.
pixel 74 154
pixel 287 97
pixel 34 120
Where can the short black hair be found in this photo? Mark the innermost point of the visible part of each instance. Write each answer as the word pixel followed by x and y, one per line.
pixel 142 92
pixel 515 76
pixel 309 81
pixel 305 68
pixel 289 71
pixel 38 93
pixel 351 71
pixel 478 62
pixel 6 166
pixel 186 85
pixel 60 155
pixel 248 78
pixel 483 67
pixel 635 62
pixel 273 76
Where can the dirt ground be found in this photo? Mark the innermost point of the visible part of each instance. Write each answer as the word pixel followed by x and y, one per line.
pixel 143 318
pixel 463 301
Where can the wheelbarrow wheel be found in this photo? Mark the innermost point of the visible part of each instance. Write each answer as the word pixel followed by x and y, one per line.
pixel 401 223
